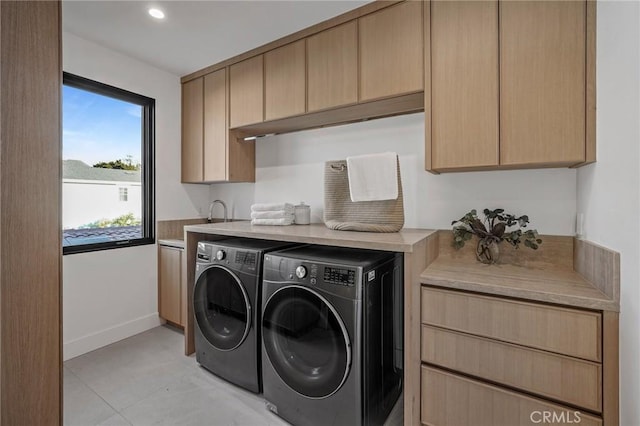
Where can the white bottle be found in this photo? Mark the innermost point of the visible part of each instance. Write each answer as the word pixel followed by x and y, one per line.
pixel 302 214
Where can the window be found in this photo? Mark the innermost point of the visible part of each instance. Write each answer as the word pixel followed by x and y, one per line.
pixel 123 194
pixel 107 149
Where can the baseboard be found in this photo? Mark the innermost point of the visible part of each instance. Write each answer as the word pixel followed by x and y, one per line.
pixel 93 341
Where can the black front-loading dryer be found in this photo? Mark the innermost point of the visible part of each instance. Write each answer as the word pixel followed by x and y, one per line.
pixel 332 344
pixel 226 305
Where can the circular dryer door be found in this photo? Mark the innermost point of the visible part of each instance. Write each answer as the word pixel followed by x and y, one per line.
pixel 306 341
pixel 221 308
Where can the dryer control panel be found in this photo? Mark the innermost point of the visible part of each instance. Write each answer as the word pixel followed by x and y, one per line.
pixel 340 280
pixel 339 276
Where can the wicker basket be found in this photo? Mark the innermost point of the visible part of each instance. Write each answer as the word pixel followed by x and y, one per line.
pixel 342 214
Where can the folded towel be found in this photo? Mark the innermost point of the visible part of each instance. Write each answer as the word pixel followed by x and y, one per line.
pixel 272 221
pixel 373 177
pixel 280 214
pixel 271 207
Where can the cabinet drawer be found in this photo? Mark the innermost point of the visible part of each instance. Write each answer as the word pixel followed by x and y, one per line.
pixel 566 331
pixel 566 379
pixel 449 399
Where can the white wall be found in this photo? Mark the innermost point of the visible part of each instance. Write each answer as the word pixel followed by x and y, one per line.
pixel 608 191
pixel 85 202
pixel 109 295
pixel 290 167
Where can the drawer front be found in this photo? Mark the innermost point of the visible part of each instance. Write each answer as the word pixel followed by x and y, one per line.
pixel 452 400
pixel 566 379
pixel 565 331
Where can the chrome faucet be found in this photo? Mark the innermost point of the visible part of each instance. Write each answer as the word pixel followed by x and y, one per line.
pixel 213 203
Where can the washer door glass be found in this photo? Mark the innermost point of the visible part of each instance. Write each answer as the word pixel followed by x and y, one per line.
pixel 221 308
pixel 306 341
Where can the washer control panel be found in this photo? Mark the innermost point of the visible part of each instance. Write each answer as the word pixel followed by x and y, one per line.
pixel 242 260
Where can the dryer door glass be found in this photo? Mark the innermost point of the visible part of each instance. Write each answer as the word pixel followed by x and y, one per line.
pixel 221 308
pixel 306 341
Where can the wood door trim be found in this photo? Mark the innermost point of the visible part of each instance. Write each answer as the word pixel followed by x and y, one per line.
pixel 428 101
pixel 610 368
pixel 30 176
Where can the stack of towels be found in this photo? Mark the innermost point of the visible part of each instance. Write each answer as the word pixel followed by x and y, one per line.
pixel 272 214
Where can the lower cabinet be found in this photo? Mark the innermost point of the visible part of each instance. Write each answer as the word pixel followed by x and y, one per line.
pixel 170 285
pixel 495 361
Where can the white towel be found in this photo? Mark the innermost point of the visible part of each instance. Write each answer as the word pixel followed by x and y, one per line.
pixel 272 222
pixel 270 207
pixel 373 177
pixel 280 214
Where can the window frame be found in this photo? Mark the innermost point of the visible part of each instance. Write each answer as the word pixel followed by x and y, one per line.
pixel 148 161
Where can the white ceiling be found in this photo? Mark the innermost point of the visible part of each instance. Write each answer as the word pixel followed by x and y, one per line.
pixel 194 34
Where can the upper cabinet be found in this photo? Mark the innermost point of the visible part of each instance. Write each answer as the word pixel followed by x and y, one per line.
pixel 215 126
pixel 285 81
pixel 542 82
pixel 192 130
pixel 332 70
pixel 210 152
pixel 508 85
pixel 503 84
pixel 464 84
pixel 246 92
pixel 391 51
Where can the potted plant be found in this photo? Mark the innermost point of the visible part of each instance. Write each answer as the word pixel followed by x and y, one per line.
pixel 498 226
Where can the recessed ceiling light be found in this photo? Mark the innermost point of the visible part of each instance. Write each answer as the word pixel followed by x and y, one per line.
pixel 156 13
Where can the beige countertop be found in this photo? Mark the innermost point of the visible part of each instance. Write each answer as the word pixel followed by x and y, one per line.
pixel 318 233
pixel 548 275
pixel 565 287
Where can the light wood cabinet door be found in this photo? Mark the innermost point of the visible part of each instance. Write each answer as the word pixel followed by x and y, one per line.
pixel 452 400
pixel 391 51
pixel 332 69
pixel 169 284
pixel 285 81
pixel 215 126
pixel 192 130
pixel 464 84
pixel 246 87
pixel 542 82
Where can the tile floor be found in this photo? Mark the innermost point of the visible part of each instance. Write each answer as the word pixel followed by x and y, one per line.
pixel 146 380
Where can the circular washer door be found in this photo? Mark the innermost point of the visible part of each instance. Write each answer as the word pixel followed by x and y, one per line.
pixel 221 308
pixel 306 341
